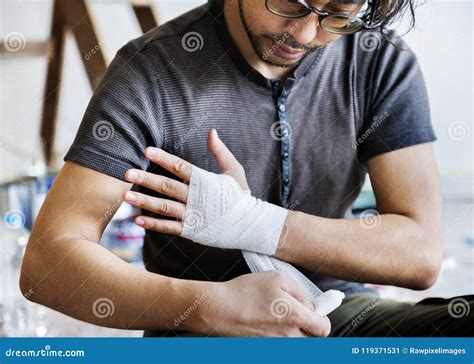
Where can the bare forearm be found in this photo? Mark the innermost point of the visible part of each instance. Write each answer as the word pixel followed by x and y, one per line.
pixel 391 249
pixel 82 279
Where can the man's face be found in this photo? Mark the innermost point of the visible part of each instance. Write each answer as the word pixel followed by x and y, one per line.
pixel 284 42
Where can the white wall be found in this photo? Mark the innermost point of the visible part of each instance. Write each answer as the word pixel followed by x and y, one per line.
pixel 443 41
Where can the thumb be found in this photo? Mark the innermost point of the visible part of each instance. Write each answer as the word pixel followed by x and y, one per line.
pixel 228 164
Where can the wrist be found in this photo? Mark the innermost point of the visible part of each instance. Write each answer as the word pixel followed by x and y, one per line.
pixel 194 297
pixel 284 246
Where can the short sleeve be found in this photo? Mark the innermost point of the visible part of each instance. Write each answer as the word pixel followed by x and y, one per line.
pixel 122 118
pixel 398 110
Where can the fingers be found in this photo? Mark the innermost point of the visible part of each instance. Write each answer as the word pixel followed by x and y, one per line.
pixel 301 321
pixel 224 157
pixel 179 167
pixel 305 318
pixel 227 162
pixel 160 225
pixel 161 184
pixel 313 324
pixel 294 289
pixel 157 205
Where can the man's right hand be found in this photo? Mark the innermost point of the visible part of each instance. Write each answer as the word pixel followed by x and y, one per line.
pixel 267 304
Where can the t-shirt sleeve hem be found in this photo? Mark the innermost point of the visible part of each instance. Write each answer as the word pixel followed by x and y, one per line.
pixel 98 161
pixel 391 144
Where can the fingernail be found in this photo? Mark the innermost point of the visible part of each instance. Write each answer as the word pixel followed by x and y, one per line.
pixel 217 134
pixel 130 196
pixel 132 176
pixel 139 222
pixel 151 152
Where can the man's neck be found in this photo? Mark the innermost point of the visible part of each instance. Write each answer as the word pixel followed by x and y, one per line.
pixel 241 39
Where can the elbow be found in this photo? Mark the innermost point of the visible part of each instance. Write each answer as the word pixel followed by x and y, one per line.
pixel 26 287
pixel 427 269
pixel 27 283
pixel 426 276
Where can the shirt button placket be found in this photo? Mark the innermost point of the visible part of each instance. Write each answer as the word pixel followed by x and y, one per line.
pixel 284 136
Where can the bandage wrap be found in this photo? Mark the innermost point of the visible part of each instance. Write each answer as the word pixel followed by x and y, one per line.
pixel 219 213
pixel 324 302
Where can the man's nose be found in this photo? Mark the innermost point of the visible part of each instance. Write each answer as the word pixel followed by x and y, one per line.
pixel 304 30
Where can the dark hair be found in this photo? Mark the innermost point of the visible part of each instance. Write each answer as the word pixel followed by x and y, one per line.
pixel 382 13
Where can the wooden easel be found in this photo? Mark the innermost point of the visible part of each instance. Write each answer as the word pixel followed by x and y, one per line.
pixel 74 17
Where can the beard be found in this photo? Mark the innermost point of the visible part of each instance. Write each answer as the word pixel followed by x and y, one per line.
pixel 266 54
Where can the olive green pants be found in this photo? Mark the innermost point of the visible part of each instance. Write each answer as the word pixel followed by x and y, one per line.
pixel 364 315
pixel 367 316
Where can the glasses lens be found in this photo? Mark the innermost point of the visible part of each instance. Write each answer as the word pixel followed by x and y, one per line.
pixel 288 8
pixel 341 24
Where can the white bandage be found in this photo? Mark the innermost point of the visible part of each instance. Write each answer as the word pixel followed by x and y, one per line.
pixel 324 303
pixel 219 213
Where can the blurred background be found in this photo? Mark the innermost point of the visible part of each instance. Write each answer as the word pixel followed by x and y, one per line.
pixel 50 64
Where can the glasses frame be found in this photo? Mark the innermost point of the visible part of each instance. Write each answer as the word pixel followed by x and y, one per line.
pixel 322 15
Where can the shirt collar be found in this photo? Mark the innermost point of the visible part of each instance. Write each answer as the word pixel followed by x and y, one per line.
pixel 216 9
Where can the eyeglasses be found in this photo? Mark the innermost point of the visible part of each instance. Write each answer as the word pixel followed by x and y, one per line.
pixel 334 22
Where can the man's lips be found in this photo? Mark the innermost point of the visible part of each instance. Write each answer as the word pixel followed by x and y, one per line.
pixel 284 52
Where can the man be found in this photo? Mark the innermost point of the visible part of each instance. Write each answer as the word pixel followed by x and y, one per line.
pixel 308 101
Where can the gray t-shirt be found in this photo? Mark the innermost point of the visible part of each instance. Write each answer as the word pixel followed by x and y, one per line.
pixel 349 101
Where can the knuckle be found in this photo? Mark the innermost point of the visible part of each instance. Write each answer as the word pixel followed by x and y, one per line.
pixel 168 186
pixel 165 207
pixel 168 229
pixel 152 224
pixel 144 178
pixel 277 275
pixel 179 166
pixel 141 201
